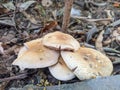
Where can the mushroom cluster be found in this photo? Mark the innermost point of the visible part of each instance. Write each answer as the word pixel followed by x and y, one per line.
pixel 64 57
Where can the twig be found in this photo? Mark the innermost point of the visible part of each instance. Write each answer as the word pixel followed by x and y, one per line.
pixel 115 23
pixel 13 19
pixel 91 20
pixel 105 48
pixel 76 32
pixel 66 17
pixel 21 76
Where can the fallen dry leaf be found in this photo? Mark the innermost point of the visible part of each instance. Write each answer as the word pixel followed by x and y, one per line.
pixel 24 6
pixel 109 40
pixel 98 42
pixel 116 4
pixel 29 17
pixel 12 50
pixel 8 37
pixel 3 10
pixel 49 26
pixel 115 35
pixel 7 21
pixel 9 6
pixel 91 32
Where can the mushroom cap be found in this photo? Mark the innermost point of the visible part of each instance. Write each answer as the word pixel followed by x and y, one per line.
pixel 33 43
pixel 60 71
pixel 58 40
pixel 36 56
pixel 29 45
pixel 22 50
pixel 87 63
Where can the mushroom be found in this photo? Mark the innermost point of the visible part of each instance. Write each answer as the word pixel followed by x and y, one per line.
pixel 60 71
pixel 22 50
pixel 36 56
pixel 28 45
pixel 87 63
pixel 33 43
pixel 58 40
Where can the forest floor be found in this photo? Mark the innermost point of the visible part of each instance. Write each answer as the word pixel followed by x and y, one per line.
pixel 93 23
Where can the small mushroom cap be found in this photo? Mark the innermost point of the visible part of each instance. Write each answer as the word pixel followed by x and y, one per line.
pixel 87 63
pixel 58 40
pixel 36 56
pixel 60 71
